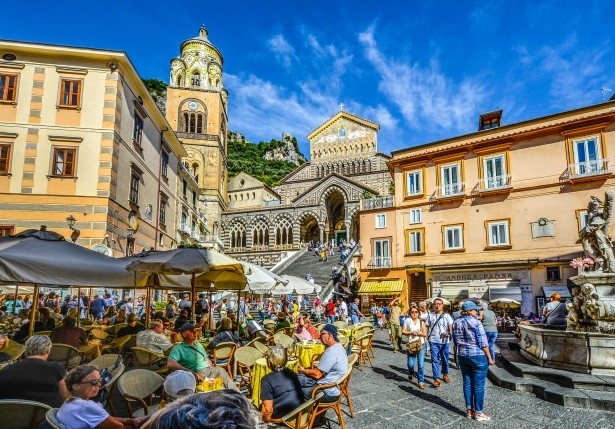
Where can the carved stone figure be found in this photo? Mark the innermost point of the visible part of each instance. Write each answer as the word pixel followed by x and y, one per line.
pixel 595 235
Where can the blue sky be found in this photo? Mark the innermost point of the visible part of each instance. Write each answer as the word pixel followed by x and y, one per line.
pixel 424 70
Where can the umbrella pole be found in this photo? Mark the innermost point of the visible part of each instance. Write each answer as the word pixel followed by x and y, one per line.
pixel 79 306
pixel 33 311
pixel 193 292
pixel 15 299
pixel 148 297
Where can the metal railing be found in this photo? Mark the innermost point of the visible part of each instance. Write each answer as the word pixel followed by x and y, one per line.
pixel 589 168
pixel 377 203
pixel 496 182
pixel 452 190
pixel 380 262
pixel 184 227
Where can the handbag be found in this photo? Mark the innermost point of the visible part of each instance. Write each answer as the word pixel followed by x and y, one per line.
pixel 414 347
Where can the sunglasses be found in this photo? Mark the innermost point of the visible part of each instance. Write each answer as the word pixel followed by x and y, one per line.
pixel 92 382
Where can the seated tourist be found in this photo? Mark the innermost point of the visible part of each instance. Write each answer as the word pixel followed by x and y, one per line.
pixel 33 378
pixel 4 357
pixel 225 335
pixel 133 326
pixel 301 330
pixel 219 409
pixel 120 317
pixel 80 412
pixel 24 329
pixel 281 322
pixel 331 367
pixel 181 319
pixel 75 336
pixel 280 390
pixel 154 338
pixel 189 355
pixel 179 384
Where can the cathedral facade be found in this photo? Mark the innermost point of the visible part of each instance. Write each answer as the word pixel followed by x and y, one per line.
pixel 318 201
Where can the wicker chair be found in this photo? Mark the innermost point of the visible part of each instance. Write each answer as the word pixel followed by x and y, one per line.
pixel 341 324
pixel 99 334
pixel 302 416
pixel 52 419
pixel 315 360
pixel 370 332
pixel 352 359
pixel 14 349
pixel 116 346
pixel 115 328
pixel 366 324
pixel 223 356
pixel 260 347
pixel 66 355
pixel 146 359
pixel 283 340
pixel 360 345
pixel 45 333
pixel 322 407
pixel 139 386
pixel 343 340
pixel 107 361
pixel 245 357
pixel 21 414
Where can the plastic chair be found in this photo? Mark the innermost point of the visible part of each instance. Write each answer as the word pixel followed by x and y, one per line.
pixel 283 340
pixel 21 414
pixel 245 357
pixel 223 356
pixel 66 355
pixel 146 359
pixel 352 359
pixel 52 419
pixel 302 416
pixel 139 386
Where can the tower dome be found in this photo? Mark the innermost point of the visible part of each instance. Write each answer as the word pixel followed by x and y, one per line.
pixel 199 65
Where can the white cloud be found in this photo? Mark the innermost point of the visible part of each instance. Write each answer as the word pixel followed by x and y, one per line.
pixel 426 98
pixel 282 50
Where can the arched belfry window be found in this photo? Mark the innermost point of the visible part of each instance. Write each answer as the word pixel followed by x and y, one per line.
pixel 196 79
pixel 192 122
pixel 180 80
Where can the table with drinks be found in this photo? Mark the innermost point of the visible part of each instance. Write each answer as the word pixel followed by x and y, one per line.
pixel 306 350
pixel 260 370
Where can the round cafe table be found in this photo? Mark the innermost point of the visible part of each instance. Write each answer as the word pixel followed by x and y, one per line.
pixel 305 352
pixel 260 370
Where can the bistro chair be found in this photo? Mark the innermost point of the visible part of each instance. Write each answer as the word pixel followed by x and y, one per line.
pixel 302 416
pixel 340 324
pixel 322 407
pixel 66 355
pixel 315 360
pixel 99 334
pixel 344 390
pixel 115 328
pixel 14 349
pixel 360 345
pixel 223 356
pixel 137 388
pixel 146 359
pixel 260 347
pixel 245 358
pixel 116 346
pixel 283 340
pixel 107 361
pixel 343 340
pixel 45 333
pixel 22 414
pixel 371 332
pixel 52 419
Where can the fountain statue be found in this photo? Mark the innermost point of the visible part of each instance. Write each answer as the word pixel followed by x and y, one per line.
pixel 588 344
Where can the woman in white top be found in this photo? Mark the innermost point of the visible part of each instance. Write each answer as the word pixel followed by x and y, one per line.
pixel 416 330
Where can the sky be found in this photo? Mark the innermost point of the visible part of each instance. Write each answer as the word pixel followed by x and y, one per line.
pixel 423 70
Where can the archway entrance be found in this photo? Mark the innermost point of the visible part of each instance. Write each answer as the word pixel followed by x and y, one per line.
pixel 334 207
pixel 309 230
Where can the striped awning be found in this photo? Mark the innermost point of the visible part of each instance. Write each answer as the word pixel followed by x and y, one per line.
pixel 381 287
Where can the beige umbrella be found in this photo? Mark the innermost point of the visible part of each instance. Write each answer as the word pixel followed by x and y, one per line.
pixel 505 303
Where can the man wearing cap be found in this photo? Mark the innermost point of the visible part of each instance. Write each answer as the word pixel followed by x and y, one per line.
pixel 178 384
pixel 189 355
pixel 471 350
pixel 331 367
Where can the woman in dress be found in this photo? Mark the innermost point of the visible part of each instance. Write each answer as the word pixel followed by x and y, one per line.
pixel 471 351
pixel 416 330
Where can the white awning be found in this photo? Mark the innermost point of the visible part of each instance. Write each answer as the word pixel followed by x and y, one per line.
pixel 510 292
pixel 562 290
pixel 454 292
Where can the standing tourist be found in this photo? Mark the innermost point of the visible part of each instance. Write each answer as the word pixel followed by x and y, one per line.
pixel 355 312
pixel 330 311
pixel 473 357
pixel 440 328
pixel 490 326
pixel 394 324
pixel 415 329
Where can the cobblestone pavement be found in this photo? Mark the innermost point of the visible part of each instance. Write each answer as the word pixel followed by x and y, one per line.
pixel 382 395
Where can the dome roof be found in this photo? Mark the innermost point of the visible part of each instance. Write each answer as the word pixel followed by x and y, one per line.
pixel 202 39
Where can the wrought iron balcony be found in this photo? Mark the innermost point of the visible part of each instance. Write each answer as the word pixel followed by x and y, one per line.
pixel 589 168
pixel 495 183
pixel 450 191
pixel 377 203
pixel 380 262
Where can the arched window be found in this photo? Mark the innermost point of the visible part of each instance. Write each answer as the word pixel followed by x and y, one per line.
pixel 192 122
pixel 238 235
pixel 260 234
pixel 283 232
pixel 199 123
pixel 196 79
pixel 180 80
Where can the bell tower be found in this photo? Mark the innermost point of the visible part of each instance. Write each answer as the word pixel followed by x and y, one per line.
pixel 197 110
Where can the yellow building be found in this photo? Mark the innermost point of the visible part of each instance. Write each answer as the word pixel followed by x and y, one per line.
pixel 491 214
pixel 83 143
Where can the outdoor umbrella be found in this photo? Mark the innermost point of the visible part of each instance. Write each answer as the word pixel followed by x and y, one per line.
pixel 505 303
pixel 300 286
pixel 261 279
pixel 186 260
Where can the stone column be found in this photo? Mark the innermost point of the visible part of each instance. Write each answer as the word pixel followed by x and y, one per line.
pixel 322 232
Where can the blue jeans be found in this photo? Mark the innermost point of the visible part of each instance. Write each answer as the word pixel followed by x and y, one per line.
pixel 355 319
pixel 491 337
pixel 439 358
pixel 420 360
pixel 474 371
pixel 330 319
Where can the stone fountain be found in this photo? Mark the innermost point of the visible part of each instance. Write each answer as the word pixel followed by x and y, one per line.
pixel 588 343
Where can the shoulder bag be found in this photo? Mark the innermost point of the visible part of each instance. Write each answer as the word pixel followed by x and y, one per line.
pixel 414 347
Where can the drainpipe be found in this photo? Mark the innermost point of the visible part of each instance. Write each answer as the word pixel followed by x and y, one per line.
pixel 157 217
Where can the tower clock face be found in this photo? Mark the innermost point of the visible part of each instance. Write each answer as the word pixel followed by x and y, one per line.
pixel 193 105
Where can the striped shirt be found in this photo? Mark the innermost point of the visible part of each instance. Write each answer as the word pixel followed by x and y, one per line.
pixel 469 337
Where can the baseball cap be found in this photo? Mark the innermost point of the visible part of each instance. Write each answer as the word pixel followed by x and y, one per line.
pixel 469 305
pixel 178 381
pixel 186 327
pixel 332 329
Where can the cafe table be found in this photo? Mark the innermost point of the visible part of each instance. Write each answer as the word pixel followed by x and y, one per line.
pixel 306 350
pixel 260 370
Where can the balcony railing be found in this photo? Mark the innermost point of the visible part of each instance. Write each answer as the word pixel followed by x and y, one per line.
pixel 185 228
pixel 495 183
pixel 377 203
pixel 380 262
pixel 195 235
pixel 452 190
pixel 589 168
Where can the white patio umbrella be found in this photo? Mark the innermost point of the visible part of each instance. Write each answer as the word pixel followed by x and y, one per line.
pixel 505 303
pixel 261 279
pixel 300 286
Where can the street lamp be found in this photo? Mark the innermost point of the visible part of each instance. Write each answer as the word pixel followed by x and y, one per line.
pixel 70 221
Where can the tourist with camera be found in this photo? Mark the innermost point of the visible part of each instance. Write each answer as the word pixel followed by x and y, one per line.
pixel 440 329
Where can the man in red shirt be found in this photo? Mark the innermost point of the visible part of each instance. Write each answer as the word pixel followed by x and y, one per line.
pixel 330 311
